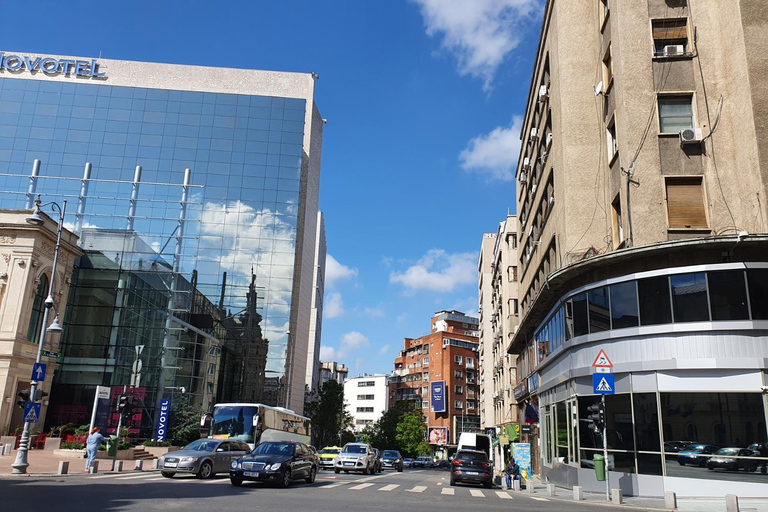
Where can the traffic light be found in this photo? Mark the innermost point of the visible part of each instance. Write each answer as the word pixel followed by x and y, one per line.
pixel 40 394
pixel 24 396
pixel 597 415
pixel 125 404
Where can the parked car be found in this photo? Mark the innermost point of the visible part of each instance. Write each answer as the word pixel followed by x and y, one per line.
pixel 327 456
pixel 391 459
pixel 278 462
pixel 377 464
pixel 674 447
pixel 442 464
pixel 204 458
pixel 471 466
pixel 696 454
pixel 724 458
pixel 355 457
pixel 422 462
pixel 408 462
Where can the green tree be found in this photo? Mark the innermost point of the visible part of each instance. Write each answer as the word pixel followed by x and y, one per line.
pixel 410 435
pixel 383 434
pixel 328 414
pixel 184 422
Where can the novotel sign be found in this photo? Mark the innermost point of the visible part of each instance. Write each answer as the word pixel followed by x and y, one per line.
pixel 50 66
pixel 162 420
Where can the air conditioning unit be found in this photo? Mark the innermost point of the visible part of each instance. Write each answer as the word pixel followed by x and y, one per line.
pixel 690 136
pixel 533 189
pixel 523 177
pixel 549 139
pixel 673 49
pixel 534 134
pixel 543 93
pixel 526 163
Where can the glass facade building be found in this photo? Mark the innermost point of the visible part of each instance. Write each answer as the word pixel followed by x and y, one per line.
pixel 196 210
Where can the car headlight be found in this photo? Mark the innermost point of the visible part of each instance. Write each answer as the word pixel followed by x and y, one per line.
pixel 275 466
pixel 188 459
pixel 236 464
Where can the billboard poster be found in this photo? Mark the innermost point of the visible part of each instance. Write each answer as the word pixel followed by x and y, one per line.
pixel 100 413
pixel 437 396
pixel 437 435
pixel 522 454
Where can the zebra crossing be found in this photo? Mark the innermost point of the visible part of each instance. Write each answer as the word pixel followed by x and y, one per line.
pixel 351 486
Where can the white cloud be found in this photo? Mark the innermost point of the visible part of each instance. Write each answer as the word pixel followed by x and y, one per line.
pixel 494 154
pixel 383 350
pixel 333 306
pixel 335 271
pixel 438 271
pixel 376 312
pixel 480 33
pixel 351 344
pixel 327 354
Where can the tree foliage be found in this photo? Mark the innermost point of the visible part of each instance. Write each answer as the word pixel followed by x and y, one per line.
pixel 328 414
pixel 410 435
pixel 383 434
pixel 184 422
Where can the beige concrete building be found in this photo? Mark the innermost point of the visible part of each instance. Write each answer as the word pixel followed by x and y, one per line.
pixel 641 194
pixel 499 315
pixel 26 261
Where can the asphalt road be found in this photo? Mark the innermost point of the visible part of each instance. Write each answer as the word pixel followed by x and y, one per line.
pixel 415 489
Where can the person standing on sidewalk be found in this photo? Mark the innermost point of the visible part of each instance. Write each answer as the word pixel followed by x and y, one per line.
pixel 513 472
pixel 92 446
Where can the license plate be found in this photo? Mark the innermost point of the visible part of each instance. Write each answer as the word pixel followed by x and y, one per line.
pixel 349 463
pixel 251 473
pixel 472 473
pixel 171 464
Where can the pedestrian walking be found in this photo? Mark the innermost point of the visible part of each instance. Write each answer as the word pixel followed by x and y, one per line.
pixel 513 472
pixel 92 446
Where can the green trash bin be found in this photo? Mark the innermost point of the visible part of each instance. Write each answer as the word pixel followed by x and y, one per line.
pixel 112 446
pixel 599 461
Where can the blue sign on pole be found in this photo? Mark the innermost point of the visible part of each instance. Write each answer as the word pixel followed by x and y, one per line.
pixel 603 384
pixel 437 396
pixel 31 412
pixel 162 419
pixel 38 372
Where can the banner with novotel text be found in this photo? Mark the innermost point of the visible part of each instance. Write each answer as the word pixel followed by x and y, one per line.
pixel 437 396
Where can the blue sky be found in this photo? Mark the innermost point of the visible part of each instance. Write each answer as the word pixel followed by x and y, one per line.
pixel 423 98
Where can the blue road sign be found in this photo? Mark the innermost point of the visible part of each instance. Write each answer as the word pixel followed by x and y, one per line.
pixel 603 384
pixel 38 372
pixel 31 412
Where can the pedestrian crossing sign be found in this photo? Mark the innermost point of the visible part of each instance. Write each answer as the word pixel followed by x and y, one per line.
pixel 603 383
pixel 31 412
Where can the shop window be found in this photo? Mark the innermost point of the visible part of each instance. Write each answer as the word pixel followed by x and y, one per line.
pixel 624 305
pixel 599 319
pixel 685 203
pixel 728 295
pixel 758 292
pixel 675 113
pixel 689 297
pixel 655 304
pixel 562 432
pixel 670 37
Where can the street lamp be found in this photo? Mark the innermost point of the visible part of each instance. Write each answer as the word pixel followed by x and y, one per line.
pixel 20 464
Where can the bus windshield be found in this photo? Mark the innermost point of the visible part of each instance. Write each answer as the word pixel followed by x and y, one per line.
pixel 233 422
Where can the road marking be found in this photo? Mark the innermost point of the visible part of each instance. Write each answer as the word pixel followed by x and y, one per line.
pixel 111 475
pixel 539 499
pixel 136 477
pixel 447 491
pixel 476 493
pixel 219 480
pixel 503 495
pixel 329 486
pixel 418 488
pixel 359 487
pixel 390 487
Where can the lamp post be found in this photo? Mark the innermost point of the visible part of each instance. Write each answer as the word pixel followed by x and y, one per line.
pixel 20 464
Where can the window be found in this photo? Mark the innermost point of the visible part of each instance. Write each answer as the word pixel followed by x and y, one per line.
pixel 599 319
pixel 758 292
pixel 655 306
pixel 675 113
pixel 610 137
pixel 457 359
pixel 366 384
pixel 580 320
pixel 512 273
pixel 365 397
pixel 604 11
pixel 426 376
pixel 425 361
pixel 670 37
pixel 728 295
pixel 458 374
pixel 424 390
pixel 470 362
pixel 607 69
pixel 424 405
pixel 618 229
pixel 685 203
pixel 470 404
pixel 365 409
pixel 689 297
pixel 458 404
pixel 624 305
pixel 36 319
pixel 513 307
pixel 459 390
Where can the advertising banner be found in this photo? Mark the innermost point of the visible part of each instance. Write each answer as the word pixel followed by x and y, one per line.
pixel 437 396
pixel 522 454
pixel 100 414
pixel 437 435
pixel 162 420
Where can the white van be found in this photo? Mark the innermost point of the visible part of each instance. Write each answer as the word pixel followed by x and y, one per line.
pixel 481 442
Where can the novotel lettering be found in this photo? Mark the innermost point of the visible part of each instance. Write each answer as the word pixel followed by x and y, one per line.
pixel 50 66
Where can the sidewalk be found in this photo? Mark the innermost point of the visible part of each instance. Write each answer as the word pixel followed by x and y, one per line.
pixel 42 462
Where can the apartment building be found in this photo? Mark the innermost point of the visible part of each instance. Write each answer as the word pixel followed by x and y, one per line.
pixel 641 197
pixel 366 399
pixel 332 370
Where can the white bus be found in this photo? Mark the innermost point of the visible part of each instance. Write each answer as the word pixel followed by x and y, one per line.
pixel 253 423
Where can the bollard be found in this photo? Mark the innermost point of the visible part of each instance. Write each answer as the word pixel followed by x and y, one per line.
pixel 139 465
pixel 731 503
pixel 616 496
pixel 551 490
pixel 94 467
pixel 156 464
pixel 63 467
pixel 515 485
pixel 117 466
pixel 670 500
pixel 578 493
pixel 7 449
pixel 529 487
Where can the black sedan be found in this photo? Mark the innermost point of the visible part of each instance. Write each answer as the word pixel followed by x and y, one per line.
pixel 391 459
pixel 278 462
pixel 471 466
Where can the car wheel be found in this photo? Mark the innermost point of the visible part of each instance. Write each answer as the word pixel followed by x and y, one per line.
pixel 487 485
pixel 286 481
pixel 237 482
pixel 681 463
pixel 312 474
pixel 453 482
pixel 206 470
pixel 167 474
pixel 336 470
pixel 400 469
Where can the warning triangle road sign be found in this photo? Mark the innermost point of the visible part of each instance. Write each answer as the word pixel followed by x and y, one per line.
pixel 602 361
pixel 604 386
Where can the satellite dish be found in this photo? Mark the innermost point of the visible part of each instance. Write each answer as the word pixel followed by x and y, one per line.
pixel 599 88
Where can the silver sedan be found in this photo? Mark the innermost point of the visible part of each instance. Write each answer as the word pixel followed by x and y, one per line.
pixel 203 458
